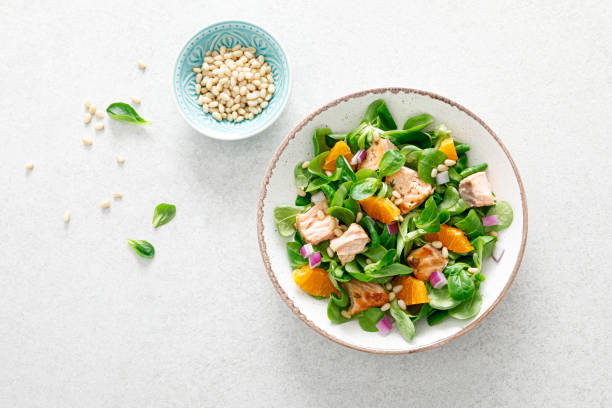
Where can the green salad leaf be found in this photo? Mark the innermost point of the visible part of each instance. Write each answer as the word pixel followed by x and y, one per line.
pixel 284 216
pixel 461 286
pixel 428 160
pixel 418 122
pixel 295 258
pixel 471 225
pixel 163 214
pixel 402 319
pixel 365 188
pixel 468 309
pixel 504 213
pixel 143 248
pixel 369 317
pixel 391 162
pixel 123 112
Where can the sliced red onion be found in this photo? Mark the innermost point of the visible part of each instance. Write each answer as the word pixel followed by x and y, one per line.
pixel 315 260
pixel 392 228
pixel 358 157
pixel 306 251
pixel 490 220
pixel 498 252
pixel 384 325
pixel 442 178
pixel 318 196
pixel 437 280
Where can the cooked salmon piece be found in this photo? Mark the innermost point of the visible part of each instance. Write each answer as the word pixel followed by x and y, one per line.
pixel 412 189
pixel 375 153
pixel 364 295
pixel 475 190
pixel 425 260
pixel 315 228
pixel 351 243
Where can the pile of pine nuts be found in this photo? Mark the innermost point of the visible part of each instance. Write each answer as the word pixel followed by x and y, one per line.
pixel 233 84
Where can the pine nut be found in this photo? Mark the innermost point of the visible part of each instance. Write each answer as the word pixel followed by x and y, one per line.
pixel 338 232
pixel 330 252
pixel 391 295
pixel 388 286
pixel 137 100
pixel 87 104
pixel 117 195
pixel 398 201
pixel 105 204
pixel 87 141
pixel 401 304
pixel 400 218
pixel 305 164
pixel 442 168
pixel 385 307
pixel 449 162
pixel 328 173
pixel 343 228
pixel 345 314
pixel 473 270
pixel 29 166
pixel 99 126
pixel 434 172
pixel 397 288
pixel 493 233
pixel 359 216
pixel 99 114
pixel 396 194
pixel 320 214
pixel 437 244
pixel 120 159
pixel 445 252
pixel 87 118
pixel 67 216
pixel 142 65
pixel 92 109
pixel 301 192
pixel 368 261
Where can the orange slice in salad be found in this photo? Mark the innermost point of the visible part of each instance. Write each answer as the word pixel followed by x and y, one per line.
pixel 381 209
pixel 339 149
pixel 413 292
pixel 452 238
pixel 314 281
pixel 448 147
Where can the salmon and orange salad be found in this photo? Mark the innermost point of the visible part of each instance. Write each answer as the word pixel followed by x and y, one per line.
pixel 391 226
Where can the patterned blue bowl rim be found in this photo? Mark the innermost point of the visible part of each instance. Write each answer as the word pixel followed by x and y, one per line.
pixel 287 74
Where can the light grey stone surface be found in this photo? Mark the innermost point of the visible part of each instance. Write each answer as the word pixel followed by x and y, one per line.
pixel 85 323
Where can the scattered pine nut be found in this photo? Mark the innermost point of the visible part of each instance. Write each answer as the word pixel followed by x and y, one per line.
pixel 437 244
pixel 400 218
pixel 473 270
pixel 67 216
pixel 87 118
pixel 29 166
pixel 397 288
pixel 359 216
pixel 398 201
pixel 442 167
pixel 142 65
pixel 117 195
pixel 328 173
pixel 345 314
pixel 87 141
pixel 388 286
pixel 99 126
pixel 135 99
pixel 385 307
pixel 401 304
pixel 92 109
pixel 445 252
pixel 391 295
pixel 396 194
pixel 449 162
pixel 434 172
pixel 368 261
pixel 330 252
pixel 99 114
pixel 120 159
pixel 338 232
pixel 320 214
pixel 87 103
pixel 105 204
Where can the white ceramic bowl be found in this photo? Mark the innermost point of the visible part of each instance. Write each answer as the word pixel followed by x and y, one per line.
pixel 343 115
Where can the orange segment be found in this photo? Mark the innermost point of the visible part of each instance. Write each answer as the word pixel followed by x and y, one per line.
pixel 452 238
pixel 339 149
pixel 414 291
pixel 314 281
pixel 448 147
pixel 381 209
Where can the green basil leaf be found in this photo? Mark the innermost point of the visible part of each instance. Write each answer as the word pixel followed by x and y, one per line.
pixel 365 173
pixel 393 270
pixel 402 137
pixel 468 309
pixel 163 214
pixel 143 248
pixel 402 319
pixel 345 215
pixel 375 252
pixel 369 317
pixel 461 286
pixel 391 162
pixel 125 113
pixel 387 259
pixel 452 202
pixel 316 165
pixel 428 160
pixel 285 216
pixel 365 188
pixel 412 153
pixel 377 114
pixel 471 225
pixel 429 221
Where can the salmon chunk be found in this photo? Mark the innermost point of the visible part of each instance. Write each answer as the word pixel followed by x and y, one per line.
pixel 364 295
pixel 375 153
pixel 475 190
pixel 425 260
pixel 412 189
pixel 349 244
pixel 315 228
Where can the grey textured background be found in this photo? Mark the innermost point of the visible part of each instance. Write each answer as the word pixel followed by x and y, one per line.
pixel 84 323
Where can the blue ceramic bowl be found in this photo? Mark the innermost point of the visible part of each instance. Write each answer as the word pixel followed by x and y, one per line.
pixel 230 33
